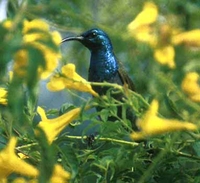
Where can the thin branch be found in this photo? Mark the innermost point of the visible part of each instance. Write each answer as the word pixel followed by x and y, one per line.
pixel 104 139
pixel 26 146
pixel 186 155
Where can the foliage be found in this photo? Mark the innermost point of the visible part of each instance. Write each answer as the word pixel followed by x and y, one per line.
pixel 75 143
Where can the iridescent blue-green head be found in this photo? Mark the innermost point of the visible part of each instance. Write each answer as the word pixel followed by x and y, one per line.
pixel 93 39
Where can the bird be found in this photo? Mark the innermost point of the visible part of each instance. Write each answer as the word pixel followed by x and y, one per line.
pixel 105 67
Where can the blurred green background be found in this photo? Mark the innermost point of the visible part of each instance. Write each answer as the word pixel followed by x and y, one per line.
pixel 112 161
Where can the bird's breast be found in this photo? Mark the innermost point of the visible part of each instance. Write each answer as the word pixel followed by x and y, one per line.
pixel 103 67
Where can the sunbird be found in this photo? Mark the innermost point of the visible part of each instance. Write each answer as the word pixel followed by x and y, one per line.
pixel 104 67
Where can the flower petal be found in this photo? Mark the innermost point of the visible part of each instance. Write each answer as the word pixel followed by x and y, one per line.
pixel 190 83
pixel 191 87
pixel 10 162
pixel 41 112
pixel 35 24
pixel 59 175
pixel 165 56
pixel 3 96
pixel 56 37
pixel 56 84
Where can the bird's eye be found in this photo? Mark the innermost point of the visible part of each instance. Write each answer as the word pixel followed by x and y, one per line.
pixel 91 34
pixel 94 34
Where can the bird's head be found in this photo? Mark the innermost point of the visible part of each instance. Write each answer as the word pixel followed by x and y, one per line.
pixel 93 39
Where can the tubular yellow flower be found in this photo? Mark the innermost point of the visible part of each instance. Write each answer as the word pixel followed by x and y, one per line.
pixel 35 24
pixel 36 35
pixel 3 96
pixel 141 27
pixel 71 80
pixel 59 175
pixel 51 57
pixel 147 16
pixel 10 162
pixel 191 87
pixel 151 124
pixel 52 127
pixel 190 38
pixel 165 56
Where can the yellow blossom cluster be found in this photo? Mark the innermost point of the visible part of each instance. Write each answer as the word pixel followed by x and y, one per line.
pixel 191 87
pixel 37 38
pixel 69 79
pixel 151 124
pixel 149 27
pixel 11 163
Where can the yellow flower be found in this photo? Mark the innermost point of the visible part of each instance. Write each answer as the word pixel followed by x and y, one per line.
pixel 29 38
pixel 158 37
pixel 147 16
pixel 10 162
pixel 141 27
pixel 59 175
pixel 3 96
pixel 165 55
pixel 52 127
pixel 36 35
pixel 151 124
pixel 21 61
pixel 35 24
pixel 7 24
pixel 190 38
pixel 51 58
pixel 71 80
pixel 147 27
pixel 191 87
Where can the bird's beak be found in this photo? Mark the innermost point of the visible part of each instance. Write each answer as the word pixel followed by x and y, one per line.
pixel 77 38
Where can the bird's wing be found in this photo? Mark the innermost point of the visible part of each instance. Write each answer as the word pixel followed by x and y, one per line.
pixel 125 78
